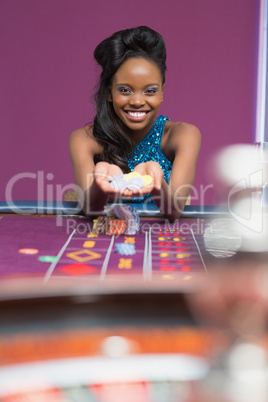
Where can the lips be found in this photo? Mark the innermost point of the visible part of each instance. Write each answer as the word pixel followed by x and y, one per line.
pixel 137 115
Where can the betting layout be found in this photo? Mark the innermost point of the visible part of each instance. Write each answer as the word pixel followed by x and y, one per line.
pixel 52 247
pixel 151 250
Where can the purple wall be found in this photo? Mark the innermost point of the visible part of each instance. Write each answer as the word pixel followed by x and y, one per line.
pixel 48 74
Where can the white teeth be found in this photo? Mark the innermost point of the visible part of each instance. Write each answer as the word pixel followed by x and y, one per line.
pixel 137 114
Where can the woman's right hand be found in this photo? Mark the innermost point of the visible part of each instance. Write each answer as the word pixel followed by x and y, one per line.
pixel 102 173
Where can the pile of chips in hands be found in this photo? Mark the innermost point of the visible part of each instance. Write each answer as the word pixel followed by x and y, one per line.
pixel 130 181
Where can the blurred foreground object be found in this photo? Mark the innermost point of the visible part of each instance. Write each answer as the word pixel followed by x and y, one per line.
pixel 234 299
pixel 242 171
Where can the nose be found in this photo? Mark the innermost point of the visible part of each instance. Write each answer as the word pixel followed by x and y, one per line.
pixel 136 100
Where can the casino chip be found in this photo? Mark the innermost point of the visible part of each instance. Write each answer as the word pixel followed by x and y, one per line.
pixel 132 174
pixel 135 183
pixel 29 251
pixel 116 227
pixel 101 226
pixel 109 225
pixel 118 182
pixel 130 215
pixel 121 219
pixel 48 258
pixel 130 181
pixel 147 180
pixel 125 248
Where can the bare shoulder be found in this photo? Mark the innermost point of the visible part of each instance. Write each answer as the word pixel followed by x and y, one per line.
pixel 179 135
pixel 82 140
pixel 181 129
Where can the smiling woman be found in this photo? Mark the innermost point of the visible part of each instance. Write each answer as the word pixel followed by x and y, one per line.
pixel 127 135
pixel 136 95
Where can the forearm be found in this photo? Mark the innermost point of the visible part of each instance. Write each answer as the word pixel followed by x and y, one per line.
pixel 169 201
pixel 94 200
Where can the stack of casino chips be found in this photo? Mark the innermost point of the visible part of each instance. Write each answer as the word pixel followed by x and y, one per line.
pixel 119 219
pixel 122 219
pixel 131 216
pixel 116 227
pixel 101 225
pixel 125 249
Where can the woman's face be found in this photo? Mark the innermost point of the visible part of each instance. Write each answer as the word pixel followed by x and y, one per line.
pixel 136 94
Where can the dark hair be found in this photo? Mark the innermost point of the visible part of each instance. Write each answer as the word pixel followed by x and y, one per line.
pixel 111 53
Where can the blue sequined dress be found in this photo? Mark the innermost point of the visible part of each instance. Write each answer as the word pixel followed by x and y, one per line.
pixel 149 149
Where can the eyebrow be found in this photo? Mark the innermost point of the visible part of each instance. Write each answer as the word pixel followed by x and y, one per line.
pixel 146 86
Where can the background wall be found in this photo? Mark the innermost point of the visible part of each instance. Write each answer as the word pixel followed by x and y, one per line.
pixel 48 74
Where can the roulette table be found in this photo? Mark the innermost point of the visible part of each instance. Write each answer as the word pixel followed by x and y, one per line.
pixel 53 247
pixel 81 322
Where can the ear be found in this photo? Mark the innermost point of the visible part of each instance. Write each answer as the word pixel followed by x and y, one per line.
pixel 110 99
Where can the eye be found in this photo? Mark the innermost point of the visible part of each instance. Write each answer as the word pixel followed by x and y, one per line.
pixel 124 90
pixel 151 91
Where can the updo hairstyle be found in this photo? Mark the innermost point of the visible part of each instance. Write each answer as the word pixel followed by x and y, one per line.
pixel 111 53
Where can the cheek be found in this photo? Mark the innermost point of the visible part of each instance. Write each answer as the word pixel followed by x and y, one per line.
pixel 118 101
pixel 158 100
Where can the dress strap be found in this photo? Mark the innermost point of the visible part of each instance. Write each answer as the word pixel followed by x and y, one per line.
pixel 159 127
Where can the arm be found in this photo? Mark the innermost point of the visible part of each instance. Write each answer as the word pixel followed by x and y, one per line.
pixel 182 144
pixel 91 181
pixel 83 148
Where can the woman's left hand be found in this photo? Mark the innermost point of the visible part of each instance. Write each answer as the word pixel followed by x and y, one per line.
pixel 152 169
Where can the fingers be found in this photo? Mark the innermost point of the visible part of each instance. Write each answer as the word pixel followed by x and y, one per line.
pixel 101 180
pixel 104 171
pixel 157 178
pixel 101 171
pixel 156 172
pixel 139 192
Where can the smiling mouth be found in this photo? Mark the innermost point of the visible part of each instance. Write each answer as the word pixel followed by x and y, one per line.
pixel 139 115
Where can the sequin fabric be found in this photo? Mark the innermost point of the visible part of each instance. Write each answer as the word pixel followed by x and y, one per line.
pixel 149 149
